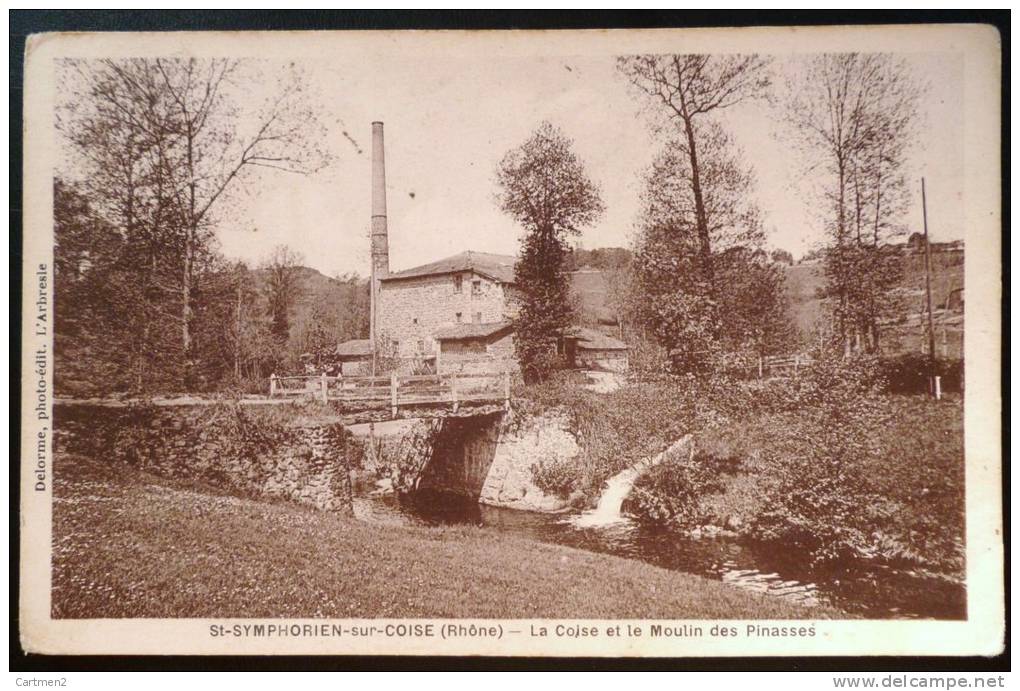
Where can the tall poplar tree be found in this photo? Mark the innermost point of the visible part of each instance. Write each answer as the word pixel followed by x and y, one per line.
pixel 543 186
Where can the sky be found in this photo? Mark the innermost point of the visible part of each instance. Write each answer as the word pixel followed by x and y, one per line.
pixel 448 122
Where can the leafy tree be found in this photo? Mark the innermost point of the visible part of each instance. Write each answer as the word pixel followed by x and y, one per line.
pixel 160 145
pixel 853 115
pixel 696 322
pixel 283 287
pixel 755 312
pixel 544 187
pixel 688 91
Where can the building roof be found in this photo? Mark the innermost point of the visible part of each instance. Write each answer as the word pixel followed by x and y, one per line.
pixel 498 267
pixel 590 339
pixel 468 331
pixel 354 348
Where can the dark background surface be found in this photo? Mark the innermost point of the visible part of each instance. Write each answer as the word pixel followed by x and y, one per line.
pixel 25 22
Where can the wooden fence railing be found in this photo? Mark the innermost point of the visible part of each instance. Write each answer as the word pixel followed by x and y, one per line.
pixel 394 390
pixel 783 365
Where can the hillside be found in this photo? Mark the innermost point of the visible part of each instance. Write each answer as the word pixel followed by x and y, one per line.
pixel 904 332
pixel 339 306
pixel 592 271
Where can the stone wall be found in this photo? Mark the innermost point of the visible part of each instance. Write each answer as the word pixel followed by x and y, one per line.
pixel 490 458
pixel 479 356
pixel 412 310
pixel 260 452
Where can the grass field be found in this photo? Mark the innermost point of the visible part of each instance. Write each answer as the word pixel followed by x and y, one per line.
pixel 127 544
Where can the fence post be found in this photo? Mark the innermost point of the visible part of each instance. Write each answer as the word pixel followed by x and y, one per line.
pixel 272 385
pixel 938 388
pixel 506 389
pixel 393 394
pixel 796 363
pixel 761 367
pixel 453 392
pixel 325 388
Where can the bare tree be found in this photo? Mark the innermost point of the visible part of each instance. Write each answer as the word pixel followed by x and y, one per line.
pixel 163 141
pixel 688 90
pixel 853 116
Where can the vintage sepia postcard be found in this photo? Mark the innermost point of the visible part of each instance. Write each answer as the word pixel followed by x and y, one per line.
pixel 513 343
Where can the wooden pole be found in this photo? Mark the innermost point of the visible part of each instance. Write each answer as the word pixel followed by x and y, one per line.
pixel 272 385
pixel 393 394
pixel 325 388
pixel 506 389
pixel 927 290
pixel 453 392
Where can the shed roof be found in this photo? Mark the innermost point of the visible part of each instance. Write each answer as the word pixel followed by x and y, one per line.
pixel 468 331
pixel 357 347
pixel 590 339
pixel 498 267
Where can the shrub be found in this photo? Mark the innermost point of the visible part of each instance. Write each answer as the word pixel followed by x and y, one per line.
pixel 556 477
pixel 908 373
pixel 822 507
pixel 670 493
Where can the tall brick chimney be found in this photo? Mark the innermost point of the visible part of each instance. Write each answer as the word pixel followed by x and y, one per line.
pixel 380 241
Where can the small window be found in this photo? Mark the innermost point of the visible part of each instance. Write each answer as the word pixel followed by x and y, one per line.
pixel 476 287
pixel 477 318
pixel 421 346
pixel 458 282
pixel 458 317
pixel 396 345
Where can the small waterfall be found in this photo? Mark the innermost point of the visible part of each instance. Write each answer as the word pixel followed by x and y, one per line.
pixel 607 511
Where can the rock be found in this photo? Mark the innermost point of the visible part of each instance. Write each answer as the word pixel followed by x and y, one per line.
pixel 733 522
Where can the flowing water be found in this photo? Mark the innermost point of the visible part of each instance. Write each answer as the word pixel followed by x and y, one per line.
pixel 874 592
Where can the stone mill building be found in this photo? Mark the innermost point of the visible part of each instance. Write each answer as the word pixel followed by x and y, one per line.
pixel 450 315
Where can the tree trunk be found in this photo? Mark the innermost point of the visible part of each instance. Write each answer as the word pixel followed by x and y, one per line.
pixel 189 257
pixel 701 218
pixel 237 336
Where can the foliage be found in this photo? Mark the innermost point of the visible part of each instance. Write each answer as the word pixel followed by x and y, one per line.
pixel 706 284
pixel 160 147
pixel 600 258
pixel 908 373
pixel 671 492
pixel 555 476
pixel 781 256
pixel 543 186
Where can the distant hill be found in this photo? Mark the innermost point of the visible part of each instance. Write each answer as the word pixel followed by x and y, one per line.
pixel 590 272
pixel 590 269
pixel 339 305
pixel 905 331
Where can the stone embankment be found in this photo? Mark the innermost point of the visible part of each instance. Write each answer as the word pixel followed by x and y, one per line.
pixel 486 457
pixel 255 452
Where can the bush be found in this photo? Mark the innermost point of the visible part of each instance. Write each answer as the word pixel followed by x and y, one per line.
pixel 908 373
pixel 671 492
pixel 555 477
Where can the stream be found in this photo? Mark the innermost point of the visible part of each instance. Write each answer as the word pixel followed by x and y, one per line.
pixel 873 592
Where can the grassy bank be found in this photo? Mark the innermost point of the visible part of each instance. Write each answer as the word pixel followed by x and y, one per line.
pixel 828 464
pixel 128 544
